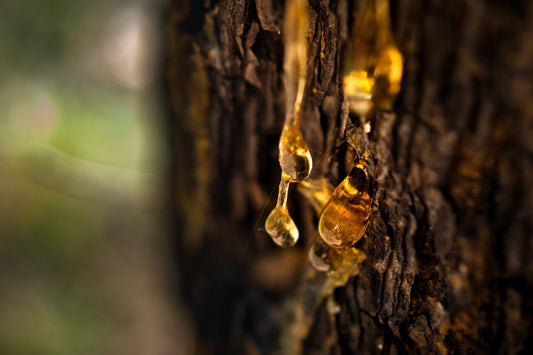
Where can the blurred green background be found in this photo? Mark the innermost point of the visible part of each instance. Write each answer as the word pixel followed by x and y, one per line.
pixel 85 266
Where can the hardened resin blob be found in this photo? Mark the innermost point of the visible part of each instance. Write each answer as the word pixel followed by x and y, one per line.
pixel 319 255
pixel 294 156
pixel 388 77
pixel 325 258
pixel 344 219
pixel 280 226
pixel 373 65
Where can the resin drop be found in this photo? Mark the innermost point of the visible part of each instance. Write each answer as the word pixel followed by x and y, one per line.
pixel 280 226
pixel 294 156
pixel 388 77
pixel 373 65
pixel 319 255
pixel 344 219
pixel 325 258
pixel 358 87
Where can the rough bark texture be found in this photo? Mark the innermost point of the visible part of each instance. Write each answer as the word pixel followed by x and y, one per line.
pixel 449 265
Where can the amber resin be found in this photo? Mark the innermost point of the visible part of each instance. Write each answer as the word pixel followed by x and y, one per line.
pixel 325 258
pixel 388 77
pixel 373 65
pixel 295 26
pixel 294 156
pixel 337 262
pixel 279 224
pixel 344 219
pixel 317 192
pixel 281 227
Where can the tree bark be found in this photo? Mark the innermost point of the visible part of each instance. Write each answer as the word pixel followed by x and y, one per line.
pixel 449 247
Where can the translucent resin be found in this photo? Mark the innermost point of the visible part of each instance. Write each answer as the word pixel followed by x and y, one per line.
pixel 344 219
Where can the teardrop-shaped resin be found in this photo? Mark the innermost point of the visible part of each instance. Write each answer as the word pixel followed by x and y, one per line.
pixel 344 219
pixel 294 156
pixel 280 226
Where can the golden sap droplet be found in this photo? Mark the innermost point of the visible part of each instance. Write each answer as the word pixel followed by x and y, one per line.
pixel 280 226
pixel 294 156
pixel 388 77
pixel 373 64
pixel 358 86
pixel 344 219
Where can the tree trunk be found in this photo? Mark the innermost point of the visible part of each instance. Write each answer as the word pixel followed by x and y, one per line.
pixel 449 247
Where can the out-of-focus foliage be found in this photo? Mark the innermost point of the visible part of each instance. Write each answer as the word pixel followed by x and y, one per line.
pixel 82 242
pixel 35 33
